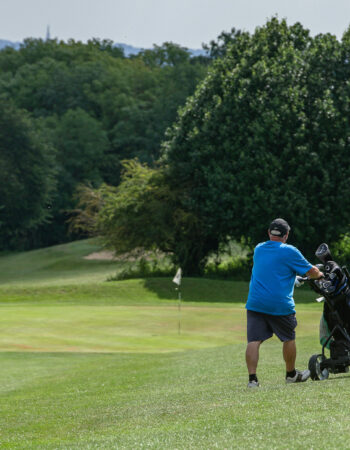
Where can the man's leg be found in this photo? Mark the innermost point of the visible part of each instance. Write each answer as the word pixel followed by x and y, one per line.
pixel 289 355
pixel 258 331
pixel 252 356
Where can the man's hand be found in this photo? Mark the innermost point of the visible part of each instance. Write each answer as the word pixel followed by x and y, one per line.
pixel 314 273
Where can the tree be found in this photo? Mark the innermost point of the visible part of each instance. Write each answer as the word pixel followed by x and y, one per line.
pixel 219 47
pixel 143 212
pixel 139 100
pixel 168 54
pixel 26 178
pixel 264 137
pixel 81 146
pixel 137 212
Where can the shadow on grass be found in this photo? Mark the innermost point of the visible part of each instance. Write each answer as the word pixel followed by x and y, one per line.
pixel 336 377
pixel 199 290
pixel 211 290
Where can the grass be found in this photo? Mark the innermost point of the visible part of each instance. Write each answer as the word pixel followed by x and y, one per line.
pixel 58 265
pixel 86 364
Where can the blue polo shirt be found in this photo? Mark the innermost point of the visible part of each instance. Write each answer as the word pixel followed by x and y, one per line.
pixel 272 283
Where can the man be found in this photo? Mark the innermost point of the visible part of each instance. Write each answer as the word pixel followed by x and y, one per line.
pixel 270 305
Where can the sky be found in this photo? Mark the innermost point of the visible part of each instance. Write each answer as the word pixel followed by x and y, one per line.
pixel 142 23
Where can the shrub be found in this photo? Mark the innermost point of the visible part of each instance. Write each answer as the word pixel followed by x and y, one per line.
pixel 144 268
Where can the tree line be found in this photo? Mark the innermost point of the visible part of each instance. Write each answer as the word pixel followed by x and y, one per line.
pixel 263 131
pixel 70 112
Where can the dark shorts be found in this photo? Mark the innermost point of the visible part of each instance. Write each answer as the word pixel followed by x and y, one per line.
pixel 262 326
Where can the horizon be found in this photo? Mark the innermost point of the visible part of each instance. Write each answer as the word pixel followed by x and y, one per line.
pixel 142 24
pixel 94 37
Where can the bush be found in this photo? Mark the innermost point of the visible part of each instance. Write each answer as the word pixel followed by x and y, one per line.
pixel 341 249
pixel 238 268
pixel 231 262
pixel 144 268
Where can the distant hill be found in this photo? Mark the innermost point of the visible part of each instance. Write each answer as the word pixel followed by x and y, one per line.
pixel 128 49
pixel 4 43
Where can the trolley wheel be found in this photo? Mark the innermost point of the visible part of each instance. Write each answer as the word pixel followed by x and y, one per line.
pixel 315 368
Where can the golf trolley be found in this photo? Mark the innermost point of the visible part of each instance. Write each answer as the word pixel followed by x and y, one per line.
pixel 334 289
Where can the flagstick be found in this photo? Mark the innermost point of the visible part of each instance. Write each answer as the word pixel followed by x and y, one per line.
pixel 179 308
pixel 177 280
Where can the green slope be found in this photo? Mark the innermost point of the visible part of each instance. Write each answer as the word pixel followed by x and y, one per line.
pixel 60 264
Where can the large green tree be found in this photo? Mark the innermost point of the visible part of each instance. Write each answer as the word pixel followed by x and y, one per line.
pixel 265 135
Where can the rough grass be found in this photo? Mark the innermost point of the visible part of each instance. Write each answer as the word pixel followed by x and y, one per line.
pixel 88 364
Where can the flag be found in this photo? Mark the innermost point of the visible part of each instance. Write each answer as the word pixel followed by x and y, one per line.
pixel 177 277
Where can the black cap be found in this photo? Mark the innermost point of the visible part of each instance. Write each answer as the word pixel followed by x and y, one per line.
pixel 279 227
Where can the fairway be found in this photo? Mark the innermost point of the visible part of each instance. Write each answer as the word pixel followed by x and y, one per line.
pixel 94 328
pixel 100 364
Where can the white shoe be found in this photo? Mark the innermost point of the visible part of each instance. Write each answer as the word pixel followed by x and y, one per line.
pixel 300 376
pixel 253 384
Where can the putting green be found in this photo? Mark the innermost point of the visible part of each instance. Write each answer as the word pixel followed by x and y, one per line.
pixel 135 329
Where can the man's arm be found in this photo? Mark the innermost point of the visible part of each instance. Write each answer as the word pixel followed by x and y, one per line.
pixel 314 273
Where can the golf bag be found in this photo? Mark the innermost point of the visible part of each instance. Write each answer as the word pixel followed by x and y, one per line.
pixel 334 290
